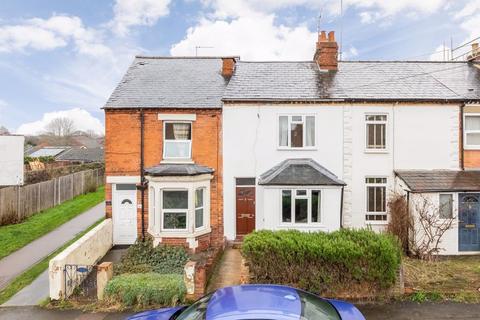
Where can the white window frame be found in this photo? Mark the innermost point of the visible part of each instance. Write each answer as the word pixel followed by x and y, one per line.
pixel 367 122
pixel 376 213
pixel 162 210
pixel 189 141
pixel 453 202
pixel 195 208
pixel 304 131
pixel 308 196
pixel 465 131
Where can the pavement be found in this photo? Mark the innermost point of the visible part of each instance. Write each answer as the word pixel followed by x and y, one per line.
pixel 423 311
pixel 37 313
pixel 22 259
pixel 228 273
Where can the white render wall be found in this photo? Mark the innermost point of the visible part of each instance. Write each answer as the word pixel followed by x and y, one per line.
pixel 11 161
pixel 419 136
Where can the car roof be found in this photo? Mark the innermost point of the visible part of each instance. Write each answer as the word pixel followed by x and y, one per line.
pixel 255 301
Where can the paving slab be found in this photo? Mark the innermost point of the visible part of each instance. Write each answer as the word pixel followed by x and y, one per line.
pixel 22 259
pixel 229 270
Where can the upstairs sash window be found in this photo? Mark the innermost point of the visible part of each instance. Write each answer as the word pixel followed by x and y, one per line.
pixel 177 140
pixel 296 131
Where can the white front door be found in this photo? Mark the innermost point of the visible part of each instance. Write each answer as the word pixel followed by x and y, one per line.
pixel 124 214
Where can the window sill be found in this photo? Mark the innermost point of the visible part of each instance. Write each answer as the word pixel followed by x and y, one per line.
pixel 471 147
pixel 296 149
pixel 177 161
pixel 180 233
pixel 376 223
pixel 374 151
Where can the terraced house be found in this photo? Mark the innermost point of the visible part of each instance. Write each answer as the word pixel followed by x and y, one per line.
pixel 229 146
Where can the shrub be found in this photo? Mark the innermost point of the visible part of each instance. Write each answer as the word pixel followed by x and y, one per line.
pixel 143 257
pixel 146 289
pixel 341 262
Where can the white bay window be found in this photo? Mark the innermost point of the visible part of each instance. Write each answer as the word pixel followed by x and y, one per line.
pixel 301 206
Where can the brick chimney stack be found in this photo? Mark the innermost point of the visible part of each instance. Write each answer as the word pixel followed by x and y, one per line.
pixel 326 54
pixel 228 66
pixel 474 56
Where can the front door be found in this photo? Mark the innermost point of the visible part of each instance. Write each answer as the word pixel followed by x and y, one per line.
pixel 245 210
pixel 469 222
pixel 124 214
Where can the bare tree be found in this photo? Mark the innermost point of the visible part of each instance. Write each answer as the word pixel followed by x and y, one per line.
pixel 60 127
pixel 3 130
pixel 428 229
pixel 400 220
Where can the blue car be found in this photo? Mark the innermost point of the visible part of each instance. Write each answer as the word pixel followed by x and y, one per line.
pixel 267 302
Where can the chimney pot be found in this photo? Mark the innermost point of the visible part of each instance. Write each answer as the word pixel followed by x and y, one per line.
pixel 323 36
pixel 331 36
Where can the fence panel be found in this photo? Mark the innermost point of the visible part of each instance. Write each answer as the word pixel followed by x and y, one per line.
pixel 18 203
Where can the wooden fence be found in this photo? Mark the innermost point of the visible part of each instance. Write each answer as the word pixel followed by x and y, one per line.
pixel 18 203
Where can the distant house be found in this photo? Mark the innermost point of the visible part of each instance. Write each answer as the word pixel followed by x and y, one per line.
pixel 69 154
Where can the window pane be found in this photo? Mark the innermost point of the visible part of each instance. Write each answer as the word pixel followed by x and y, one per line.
pixel 296 135
pixel 446 206
pixel 370 135
pixel 301 210
pixel 199 198
pixel 473 139
pixel 472 122
pixel 198 218
pixel 175 199
pixel 177 131
pixel 310 139
pixel 371 199
pixel 177 149
pixel 283 131
pixel 376 199
pixel 297 118
pixel 301 192
pixel 245 181
pixel 316 202
pixel 286 206
pixel 125 187
pixel 174 220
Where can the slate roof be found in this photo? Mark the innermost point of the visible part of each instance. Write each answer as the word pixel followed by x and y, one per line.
pixel 299 172
pixel 170 82
pixel 440 180
pixel 354 80
pixel 82 154
pixel 188 169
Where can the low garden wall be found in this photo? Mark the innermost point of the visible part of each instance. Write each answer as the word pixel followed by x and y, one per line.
pixel 352 264
pixel 87 251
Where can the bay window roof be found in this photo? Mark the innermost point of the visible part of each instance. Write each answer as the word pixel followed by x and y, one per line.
pixel 299 172
pixel 187 169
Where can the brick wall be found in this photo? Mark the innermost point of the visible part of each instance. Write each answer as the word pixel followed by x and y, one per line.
pixel 471 159
pixel 122 155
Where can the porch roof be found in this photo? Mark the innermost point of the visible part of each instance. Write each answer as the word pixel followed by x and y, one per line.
pixel 299 172
pixel 187 169
pixel 440 180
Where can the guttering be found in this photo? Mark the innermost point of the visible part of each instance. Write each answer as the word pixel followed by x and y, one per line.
pixel 142 174
pixel 341 208
pixel 461 142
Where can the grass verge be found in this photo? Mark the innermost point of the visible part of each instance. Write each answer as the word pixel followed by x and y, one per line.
pixel 34 271
pixel 16 236
pixel 451 278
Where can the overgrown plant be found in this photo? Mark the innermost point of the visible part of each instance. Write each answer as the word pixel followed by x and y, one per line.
pixel 142 257
pixel 428 228
pixel 400 220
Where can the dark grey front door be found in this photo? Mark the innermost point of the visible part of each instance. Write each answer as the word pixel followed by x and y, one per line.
pixel 468 222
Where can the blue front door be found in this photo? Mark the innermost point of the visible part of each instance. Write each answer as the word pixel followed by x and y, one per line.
pixel 468 222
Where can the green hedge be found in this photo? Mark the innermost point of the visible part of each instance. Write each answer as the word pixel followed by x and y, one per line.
pixel 142 257
pixel 146 290
pixel 325 263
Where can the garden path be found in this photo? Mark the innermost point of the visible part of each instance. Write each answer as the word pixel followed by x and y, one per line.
pixel 229 270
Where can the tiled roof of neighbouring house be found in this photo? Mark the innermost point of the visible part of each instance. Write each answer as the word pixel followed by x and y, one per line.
pixel 440 180
pixel 170 82
pixel 82 154
pixel 303 172
pixel 177 170
pixel 354 80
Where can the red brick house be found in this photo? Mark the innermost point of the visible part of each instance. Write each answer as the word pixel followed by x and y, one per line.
pixel 163 154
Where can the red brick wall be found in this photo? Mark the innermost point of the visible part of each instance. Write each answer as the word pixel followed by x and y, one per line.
pixel 471 159
pixel 122 154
